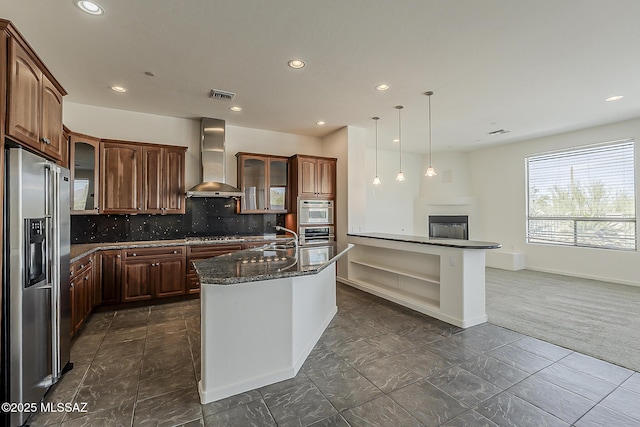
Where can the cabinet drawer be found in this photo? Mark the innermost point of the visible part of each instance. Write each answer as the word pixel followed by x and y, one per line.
pixel 154 252
pixel 80 266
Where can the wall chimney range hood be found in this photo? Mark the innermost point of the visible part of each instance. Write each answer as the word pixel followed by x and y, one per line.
pixel 213 160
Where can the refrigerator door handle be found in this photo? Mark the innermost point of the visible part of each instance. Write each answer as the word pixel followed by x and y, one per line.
pixel 52 209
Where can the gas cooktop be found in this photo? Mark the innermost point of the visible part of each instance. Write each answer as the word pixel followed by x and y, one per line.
pixel 215 238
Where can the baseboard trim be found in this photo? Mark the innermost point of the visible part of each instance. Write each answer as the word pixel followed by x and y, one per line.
pixel 584 276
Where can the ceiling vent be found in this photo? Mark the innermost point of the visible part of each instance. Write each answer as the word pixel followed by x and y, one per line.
pixel 222 95
pixel 499 132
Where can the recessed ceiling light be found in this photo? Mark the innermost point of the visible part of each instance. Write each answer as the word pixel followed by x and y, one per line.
pixel 89 7
pixel 382 87
pixel 296 63
pixel 614 98
pixel 320 123
pixel 395 141
pixel 118 89
pixel 235 108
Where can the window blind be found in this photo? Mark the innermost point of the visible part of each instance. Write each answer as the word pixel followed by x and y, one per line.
pixel 583 197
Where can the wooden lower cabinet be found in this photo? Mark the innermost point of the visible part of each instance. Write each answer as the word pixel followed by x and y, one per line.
pixel 136 281
pixel 118 276
pixel 108 282
pixel 170 280
pixel 200 252
pixel 81 292
pixel 149 273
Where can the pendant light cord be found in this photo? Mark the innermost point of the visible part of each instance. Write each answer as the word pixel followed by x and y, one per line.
pixel 376 179
pixel 400 107
pixel 430 155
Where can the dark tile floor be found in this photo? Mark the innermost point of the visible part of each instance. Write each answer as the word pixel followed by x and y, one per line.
pixel 378 364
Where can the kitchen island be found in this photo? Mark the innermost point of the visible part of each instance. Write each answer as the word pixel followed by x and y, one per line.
pixel 262 312
pixel 442 278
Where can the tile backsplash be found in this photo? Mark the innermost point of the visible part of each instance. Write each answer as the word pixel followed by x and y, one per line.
pixel 203 217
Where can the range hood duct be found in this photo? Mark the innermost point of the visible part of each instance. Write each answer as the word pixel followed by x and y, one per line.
pixel 213 160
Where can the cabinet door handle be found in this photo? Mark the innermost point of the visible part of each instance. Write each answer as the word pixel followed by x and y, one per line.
pixel 139 209
pixel 71 285
pixel 134 254
pixel 118 256
pixel 175 252
pixel 45 140
pixel 86 277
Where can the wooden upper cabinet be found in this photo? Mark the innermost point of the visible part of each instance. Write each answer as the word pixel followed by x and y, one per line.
pixel 153 180
pixel 84 165
pixel 173 179
pixel 66 148
pixel 307 177
pixel 313 177
pixel 163 171
pixel 51 132
pixel 25 97
pixel 120 178
pixel 264 180
pixel 326 178
pixel 141 178
pixel 34 102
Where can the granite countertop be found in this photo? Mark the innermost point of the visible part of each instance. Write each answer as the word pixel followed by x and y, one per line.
pixel 450 243
pixel 275 261
pixel 83 249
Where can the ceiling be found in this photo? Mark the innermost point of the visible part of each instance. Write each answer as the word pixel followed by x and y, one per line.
pixel 532 68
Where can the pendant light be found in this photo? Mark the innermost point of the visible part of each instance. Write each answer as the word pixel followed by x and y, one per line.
pixel 430 170
pixel 400 177
pixel 376 180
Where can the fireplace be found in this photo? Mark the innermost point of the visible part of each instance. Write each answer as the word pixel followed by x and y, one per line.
pixel 449 227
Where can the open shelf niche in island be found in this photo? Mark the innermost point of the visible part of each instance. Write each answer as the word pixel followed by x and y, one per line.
pixel 441 278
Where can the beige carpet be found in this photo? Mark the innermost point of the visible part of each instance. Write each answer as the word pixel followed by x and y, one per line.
pixel 592 317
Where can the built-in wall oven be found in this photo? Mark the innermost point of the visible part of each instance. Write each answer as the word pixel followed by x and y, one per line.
pixel 316 234
pixel 312 212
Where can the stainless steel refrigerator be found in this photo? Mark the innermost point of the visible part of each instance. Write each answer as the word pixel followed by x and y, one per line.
pixel 36 305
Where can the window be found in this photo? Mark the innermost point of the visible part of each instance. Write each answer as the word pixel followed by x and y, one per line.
pixel 583 197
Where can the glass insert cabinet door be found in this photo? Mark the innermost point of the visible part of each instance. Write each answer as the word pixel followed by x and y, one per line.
pixel 278 184
pixel 84 174
pixel 254 184
pixel 263 180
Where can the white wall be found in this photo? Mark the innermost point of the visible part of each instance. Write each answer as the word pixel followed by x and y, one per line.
pixel 110 123
pixel 390 205
pixel 447 193
pixel 132 126
pixel 338 144
pixel 265 142
pixel 499 183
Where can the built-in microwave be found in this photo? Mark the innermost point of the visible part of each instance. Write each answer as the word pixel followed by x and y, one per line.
pixel 310 235
pixel 312 212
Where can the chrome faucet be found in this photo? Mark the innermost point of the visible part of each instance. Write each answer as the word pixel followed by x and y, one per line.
pixel 278 228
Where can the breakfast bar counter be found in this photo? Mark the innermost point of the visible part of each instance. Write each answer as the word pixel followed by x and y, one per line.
pixel 262 312
pixel 443 278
